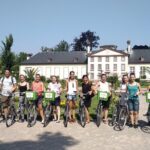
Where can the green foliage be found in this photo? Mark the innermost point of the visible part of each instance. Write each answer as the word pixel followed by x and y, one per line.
pixel 137 80
pixel 30 74
pixel 43 78
pixel 86 39
pixel 63 83
pixel 114 81
pixel 7 56
pixel 62 46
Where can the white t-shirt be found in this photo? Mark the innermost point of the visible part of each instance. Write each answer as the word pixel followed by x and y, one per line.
pixel 72 87
pixel 104 87
pixel 55 87
pixel 123 88
pixel 7 85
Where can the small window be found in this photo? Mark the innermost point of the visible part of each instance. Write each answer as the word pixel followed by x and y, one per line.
pixel 92 76
pixel 99 67
pixel 107 67
pixel 107 59
pixel 115 67
pixel 122 58
pixel 132 69
pixel 92 59
pixel 115 59
pixel 92 67
pixel 122 67
pixel 99 59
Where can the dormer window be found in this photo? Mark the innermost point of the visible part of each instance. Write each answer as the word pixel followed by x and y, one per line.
pixel 50 60
pixel 141 58
pixel 75 60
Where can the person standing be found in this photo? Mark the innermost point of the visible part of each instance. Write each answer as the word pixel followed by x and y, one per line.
pixel 133 89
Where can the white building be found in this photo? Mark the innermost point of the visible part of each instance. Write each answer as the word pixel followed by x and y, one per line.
pixel 139 59
pixel 57 63
pixel 107 60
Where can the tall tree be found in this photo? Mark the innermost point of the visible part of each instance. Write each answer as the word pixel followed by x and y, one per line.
pixel 62 46
pixel 86 39
pixel 7 56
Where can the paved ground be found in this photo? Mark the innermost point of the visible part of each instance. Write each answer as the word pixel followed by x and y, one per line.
pixel 56 137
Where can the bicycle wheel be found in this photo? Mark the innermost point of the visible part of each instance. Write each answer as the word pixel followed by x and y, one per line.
pixel 66 115
pixel 1 115
pixel 82 116
pixel 47 114
pixel 99 115
pixel 10 119
pixel 114 116
pixel 122 120
pixel 31 115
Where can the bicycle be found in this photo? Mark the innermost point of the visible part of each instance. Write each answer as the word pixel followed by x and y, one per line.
pixel 31 97
pixel 12 114
pixel 82 110
pixel 123 114
pixel 102 96
pixel 49 97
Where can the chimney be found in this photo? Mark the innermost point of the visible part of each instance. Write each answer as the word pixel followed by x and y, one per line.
pixel 29 56
pixel 88 49
pixel 129 49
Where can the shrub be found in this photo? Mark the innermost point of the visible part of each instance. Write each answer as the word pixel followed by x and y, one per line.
pixel 114 81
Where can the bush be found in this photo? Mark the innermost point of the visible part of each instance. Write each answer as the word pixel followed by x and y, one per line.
pixel 114 81
pixel 43 78
pixel 137 80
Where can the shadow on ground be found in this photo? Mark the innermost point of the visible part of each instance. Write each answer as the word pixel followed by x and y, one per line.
pixel 46 141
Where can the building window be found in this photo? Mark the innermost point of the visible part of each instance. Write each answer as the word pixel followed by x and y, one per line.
pixel 107 67
pixel 122 67
pixel 132 69
pixel 115 67
pixel 92 67
pixel 107 59
pixel 99 59
pixel 115 59
pixel 142 72
pixel 99 67
pixel 122 58
pixel 92 59
pixel 92 76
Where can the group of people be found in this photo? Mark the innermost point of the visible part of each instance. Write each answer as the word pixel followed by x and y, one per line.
pixel 8 85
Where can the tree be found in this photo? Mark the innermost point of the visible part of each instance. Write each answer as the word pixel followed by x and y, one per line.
pixel 86 39
pixel 62 46
pixel 30 73
pixel 7 57
pixel 46 49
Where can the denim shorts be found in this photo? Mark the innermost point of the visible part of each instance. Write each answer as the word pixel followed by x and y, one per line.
pixel 72 97
pixel 133 105
pixel 39 100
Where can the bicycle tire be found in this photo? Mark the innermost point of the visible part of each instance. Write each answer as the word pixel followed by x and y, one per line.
pixel 82 116
pixel 122 120
pixel 10 119
pixel 47 114
pixel 31 115
pixel 66 116
pixel 114 116
pixel 99 115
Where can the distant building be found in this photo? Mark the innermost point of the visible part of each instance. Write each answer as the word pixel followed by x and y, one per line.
pixel 57 63
pixel 107 60
pixel 139 60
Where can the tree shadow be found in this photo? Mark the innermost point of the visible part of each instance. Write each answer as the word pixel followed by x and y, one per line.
pixel 46 141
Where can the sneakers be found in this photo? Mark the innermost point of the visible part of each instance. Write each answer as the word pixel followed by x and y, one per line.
pixel 136 126
pixel 42 121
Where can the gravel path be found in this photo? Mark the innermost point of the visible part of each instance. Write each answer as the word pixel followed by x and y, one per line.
pixel 56 137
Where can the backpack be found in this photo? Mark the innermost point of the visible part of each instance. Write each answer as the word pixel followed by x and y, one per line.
pixel 11 80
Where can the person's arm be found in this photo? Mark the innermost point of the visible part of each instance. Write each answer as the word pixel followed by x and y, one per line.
pixel 66 88
pixel 60 88
pixel 43 87
pixel 140 91
pixel 28 86
pixel 77 86
pixel 14 85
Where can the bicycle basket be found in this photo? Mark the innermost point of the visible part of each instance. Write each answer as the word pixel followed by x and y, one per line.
pixel 31 95
pixel 148 97
pixel 49 96
pixel 103 95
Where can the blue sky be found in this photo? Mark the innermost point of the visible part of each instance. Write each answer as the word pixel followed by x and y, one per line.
pixel 36 23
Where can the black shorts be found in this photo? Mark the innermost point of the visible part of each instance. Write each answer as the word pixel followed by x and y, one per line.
pixel 87 102
pixel 57 101
pixel 106 104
